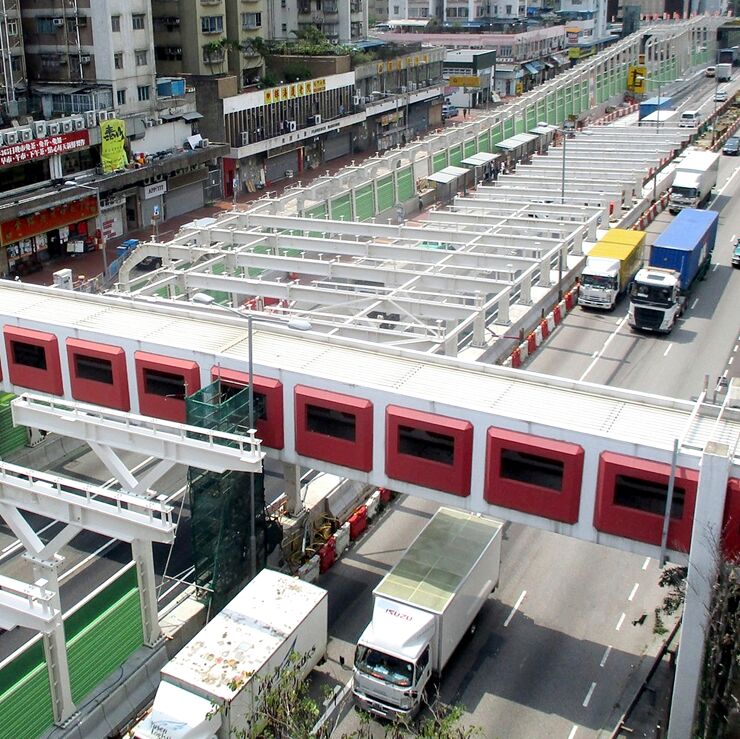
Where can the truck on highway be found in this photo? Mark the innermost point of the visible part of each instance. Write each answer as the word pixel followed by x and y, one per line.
pixel 696 175
pixel 724 72
pixel 647 107
pixel 422 609
pixel 610 267
pixel 679 258
pixel 213 685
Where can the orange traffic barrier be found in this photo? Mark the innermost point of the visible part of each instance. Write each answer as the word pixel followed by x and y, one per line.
pixel 531 343
pixel 545 329
pixel 556 314
pixel 516 358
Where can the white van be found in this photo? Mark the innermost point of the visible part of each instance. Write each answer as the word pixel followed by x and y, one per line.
pixel 689 119
pixel 721 95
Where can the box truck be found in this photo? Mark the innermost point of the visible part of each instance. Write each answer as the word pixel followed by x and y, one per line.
pixel 212 686
pixel 422 609
pixel 696 175
pixel 651 105
pixel 610 267
pixel 724 72
pixel 679 258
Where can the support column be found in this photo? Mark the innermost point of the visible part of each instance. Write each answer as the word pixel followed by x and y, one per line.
pixel 142 554
pixel 545 280
pixel 702 574
pixel 450 343
pixel 479 323
pixel 525 289
pixel 55 643
pixel 503 307
pixel 292 476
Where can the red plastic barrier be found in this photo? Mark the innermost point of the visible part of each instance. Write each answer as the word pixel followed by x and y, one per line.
pixel 357 522
pixel 516 359
pixel 557 316
pixel 327 554
pixel 569 300
pixel 545 329
pixel 385 495
pixel 531 343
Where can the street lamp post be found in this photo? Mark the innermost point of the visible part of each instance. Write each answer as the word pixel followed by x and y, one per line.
pixel 562 202
pixel 96 190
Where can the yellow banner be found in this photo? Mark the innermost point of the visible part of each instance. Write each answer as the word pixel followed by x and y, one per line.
pixel 296 90
pixel 462 80
pixel 113 151
pixel 636 79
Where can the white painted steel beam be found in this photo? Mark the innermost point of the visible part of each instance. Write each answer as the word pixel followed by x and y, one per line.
pixel 29 606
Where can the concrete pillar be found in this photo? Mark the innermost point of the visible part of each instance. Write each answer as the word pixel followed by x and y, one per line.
pixel 450 343
pixel 544 280
pixel 705 535
pixel 55 643
pixel 292 476
pixel 142 554
pixel 578 244
pixel 525 289
pixel 503 307
pixel 479 323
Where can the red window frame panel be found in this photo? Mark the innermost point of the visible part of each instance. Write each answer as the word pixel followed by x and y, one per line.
pixel 731 522
pixel 643 525
pixel 159 406
pixel 89 391
pixel 271 431
pixel 449 478
pixel 558 505
pixel 47 380
pixel 357 454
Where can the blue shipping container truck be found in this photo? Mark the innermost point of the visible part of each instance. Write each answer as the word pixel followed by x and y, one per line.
pixel 686 246
pixel 650 106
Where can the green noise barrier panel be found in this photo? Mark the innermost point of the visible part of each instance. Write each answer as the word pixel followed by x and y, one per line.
pixel 386 193
pixel 341 208
pixel 469 148
pixel 405 184
pixel 439 161
pixel 365 202
pixel 11 437
pixel 455 155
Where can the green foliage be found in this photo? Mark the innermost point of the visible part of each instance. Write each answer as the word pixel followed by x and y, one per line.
pixel 659 627
pixel 296 71
pixel 673 578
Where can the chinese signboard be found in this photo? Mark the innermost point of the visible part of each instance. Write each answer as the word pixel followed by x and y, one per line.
pixel 42 148
pixel 462 80
pixel 113 140
pixel 45 220
pixel 636 77
pixel 295 90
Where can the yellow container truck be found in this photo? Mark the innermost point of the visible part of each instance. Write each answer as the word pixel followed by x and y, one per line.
pixel 610 267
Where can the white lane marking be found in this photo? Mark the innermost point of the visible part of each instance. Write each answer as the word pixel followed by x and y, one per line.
pixel 730 360
pixel 606 656
pixel 693 305
pixel 620 622
pixel 714 268
pixel 515 608
pixel 634 592
pixel 665 353
pixel 573 731
pixel 603 349
pixel 734 348
pixel 587 699
pixel 646 563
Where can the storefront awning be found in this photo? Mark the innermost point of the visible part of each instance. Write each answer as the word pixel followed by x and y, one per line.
pixel 530 67
pixel 506 68
pixel 192 116
pixel 560 59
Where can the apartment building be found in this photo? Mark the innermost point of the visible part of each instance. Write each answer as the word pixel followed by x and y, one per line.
pixel 13 67
pixel 463 13
pixel 341 21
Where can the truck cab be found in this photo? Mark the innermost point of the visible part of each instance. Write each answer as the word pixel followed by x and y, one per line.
pixel 655 300
pixel 599 283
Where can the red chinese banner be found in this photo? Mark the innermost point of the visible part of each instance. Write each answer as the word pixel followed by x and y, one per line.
pixel 42 148
pixel 45 220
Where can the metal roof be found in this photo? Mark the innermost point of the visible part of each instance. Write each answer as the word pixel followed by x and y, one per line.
pixel 432 569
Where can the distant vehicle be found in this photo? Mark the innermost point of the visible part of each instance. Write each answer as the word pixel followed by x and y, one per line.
pixel 449 111
pixel 689 119
pixel 728 56
pixel 720 96
pixel 736 253
pixel 710 71
pixel 696 175
pixel 724 72
pixel 732 146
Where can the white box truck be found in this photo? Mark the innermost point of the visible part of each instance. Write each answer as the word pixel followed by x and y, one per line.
pixel 422 609
pixel 212 685
pixel 696 175
pixel 724 72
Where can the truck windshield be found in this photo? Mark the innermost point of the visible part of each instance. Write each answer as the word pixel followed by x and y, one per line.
pixel 384 666
pixel 651 294
pixel 597 281
pixel 684 192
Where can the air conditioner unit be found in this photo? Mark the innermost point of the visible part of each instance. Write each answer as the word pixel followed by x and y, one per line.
pixel 54 128
pixel 90 119
pixel 67 125
pixel 245 138
pixel 403 89
pixel 102 115
pixel 11 137
pixel 78 122
pixel 314 120
pixel 58 22
pixel 204 143
pixel 150 122
pixel 40 129
pixel 292 126
pixel 85 59
pixel 25 134
pixel 357 100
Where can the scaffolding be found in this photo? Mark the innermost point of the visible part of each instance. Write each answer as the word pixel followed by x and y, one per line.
pixel 220 520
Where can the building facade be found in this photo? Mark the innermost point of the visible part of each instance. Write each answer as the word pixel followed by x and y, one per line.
pixel 341 21
pixel 13 67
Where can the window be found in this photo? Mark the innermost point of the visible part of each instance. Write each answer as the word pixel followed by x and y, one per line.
pixel 12 27
pixel 426 444
pixel 118 60
pixel 532 469
pixel 29 355
pixel 143 93
pixel 164 384
pixel 115 23
pixel 284 28
pixel 121 97
pixel 508 10
pixel 141 58
pixel 251 20
pixel 45 25
pixel 94 368
pixel 644 495
pixel 396 10
pixel 212 24
pixel 137 21
pixel 331 422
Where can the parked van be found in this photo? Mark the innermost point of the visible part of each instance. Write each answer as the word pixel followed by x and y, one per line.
pixel 721 95
pixel 689 119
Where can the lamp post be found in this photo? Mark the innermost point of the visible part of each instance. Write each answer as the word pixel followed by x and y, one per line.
pixel 72 183
pixel 562 202
pixel 297 324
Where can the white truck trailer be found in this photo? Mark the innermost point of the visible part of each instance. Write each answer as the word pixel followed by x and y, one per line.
pixel 211 687
pixel 696 175
pixel 422 609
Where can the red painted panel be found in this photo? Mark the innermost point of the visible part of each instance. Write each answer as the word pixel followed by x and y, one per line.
pixel 731 527
pixel 559 505
pixel 160 406
pixel 269 430
pixel 357 454
pixel 642 525
pixel 47 380
pixel 449 478
pixel 94 391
